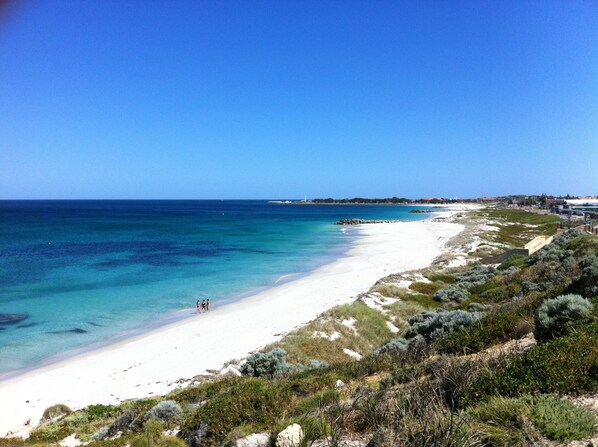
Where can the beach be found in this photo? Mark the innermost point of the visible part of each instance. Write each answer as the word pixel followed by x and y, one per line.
pixel 163 359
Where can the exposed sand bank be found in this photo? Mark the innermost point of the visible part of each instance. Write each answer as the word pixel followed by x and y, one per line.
pixel 153 363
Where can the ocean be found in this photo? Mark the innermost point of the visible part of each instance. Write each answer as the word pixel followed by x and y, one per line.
pixel 78 273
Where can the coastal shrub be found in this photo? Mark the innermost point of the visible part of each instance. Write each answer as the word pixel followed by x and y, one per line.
pixel 164 411
pixel 398 346
pixel 496 294
pixel 452 293
pixel 567 364
pixel 477 275
pixel 561 420
pixel 395 346
pixel 496 327
pixel 318 364
pixel 543 276
pixel 100 434
pixel 55 411
pixel 513 261
pixel 433 325
pixel 587 283
pixel 97 412
pixel 555 316
pixel 479 307
pixel 267 364
pixel 250 401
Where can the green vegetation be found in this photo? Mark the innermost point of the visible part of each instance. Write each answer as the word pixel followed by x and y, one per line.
pixel 556 316
pixel 456 373
pixel 517 227
pixel 55 411
pixel 561 420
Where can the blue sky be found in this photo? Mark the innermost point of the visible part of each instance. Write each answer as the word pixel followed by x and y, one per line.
pixel 277 99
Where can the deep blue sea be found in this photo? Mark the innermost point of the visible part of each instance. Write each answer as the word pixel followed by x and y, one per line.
pixel 84 272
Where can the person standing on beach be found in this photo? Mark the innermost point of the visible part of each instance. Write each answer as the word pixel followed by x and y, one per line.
pixel 208 305
pixel 203 304
pixel 197 306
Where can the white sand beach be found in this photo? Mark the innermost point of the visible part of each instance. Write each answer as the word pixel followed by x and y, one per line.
pixel 155 362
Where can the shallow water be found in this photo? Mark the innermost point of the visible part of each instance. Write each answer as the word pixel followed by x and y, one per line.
pixel 87 271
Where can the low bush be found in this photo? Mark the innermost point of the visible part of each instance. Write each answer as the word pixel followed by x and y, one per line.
pixel 567 364
pixel 561 420
pixel 555 316
pixel 477 275
pixel 398 346
pixel 587 283
pixel 267 364
pixel 98 412
pixel 517 261
pixel 433 325
pixel 101 434
pixel 453 293
pixel 395 346
pixel 496 327
pixel 164 411
pixel 250 401
pixel 55 411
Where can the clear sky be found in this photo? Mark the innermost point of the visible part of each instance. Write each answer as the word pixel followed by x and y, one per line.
pixel 277 99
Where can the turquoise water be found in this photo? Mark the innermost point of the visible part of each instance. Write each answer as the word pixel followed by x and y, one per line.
pixel 81 272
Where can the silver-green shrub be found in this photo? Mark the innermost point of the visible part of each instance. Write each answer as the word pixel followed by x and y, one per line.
pixel 267 364
pixel 318 364
pixel 399 345
pixel 164 411
pixel 393 347
pixel 100 434
pixel 432 325
pixel 453 293
pixel 476 276
pixel 555 315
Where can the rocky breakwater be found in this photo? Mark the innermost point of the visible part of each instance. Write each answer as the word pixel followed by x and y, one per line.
pixel 354 221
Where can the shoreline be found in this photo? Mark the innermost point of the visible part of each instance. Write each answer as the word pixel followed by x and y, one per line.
pixel 174 317
pixel 170 356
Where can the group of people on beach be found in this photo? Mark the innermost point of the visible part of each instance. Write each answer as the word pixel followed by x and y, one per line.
pixel 203 305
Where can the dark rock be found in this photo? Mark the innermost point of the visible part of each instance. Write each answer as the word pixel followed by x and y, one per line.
pixel 12 318
pixel 421 211
pixel 26 325
pixel 355 221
